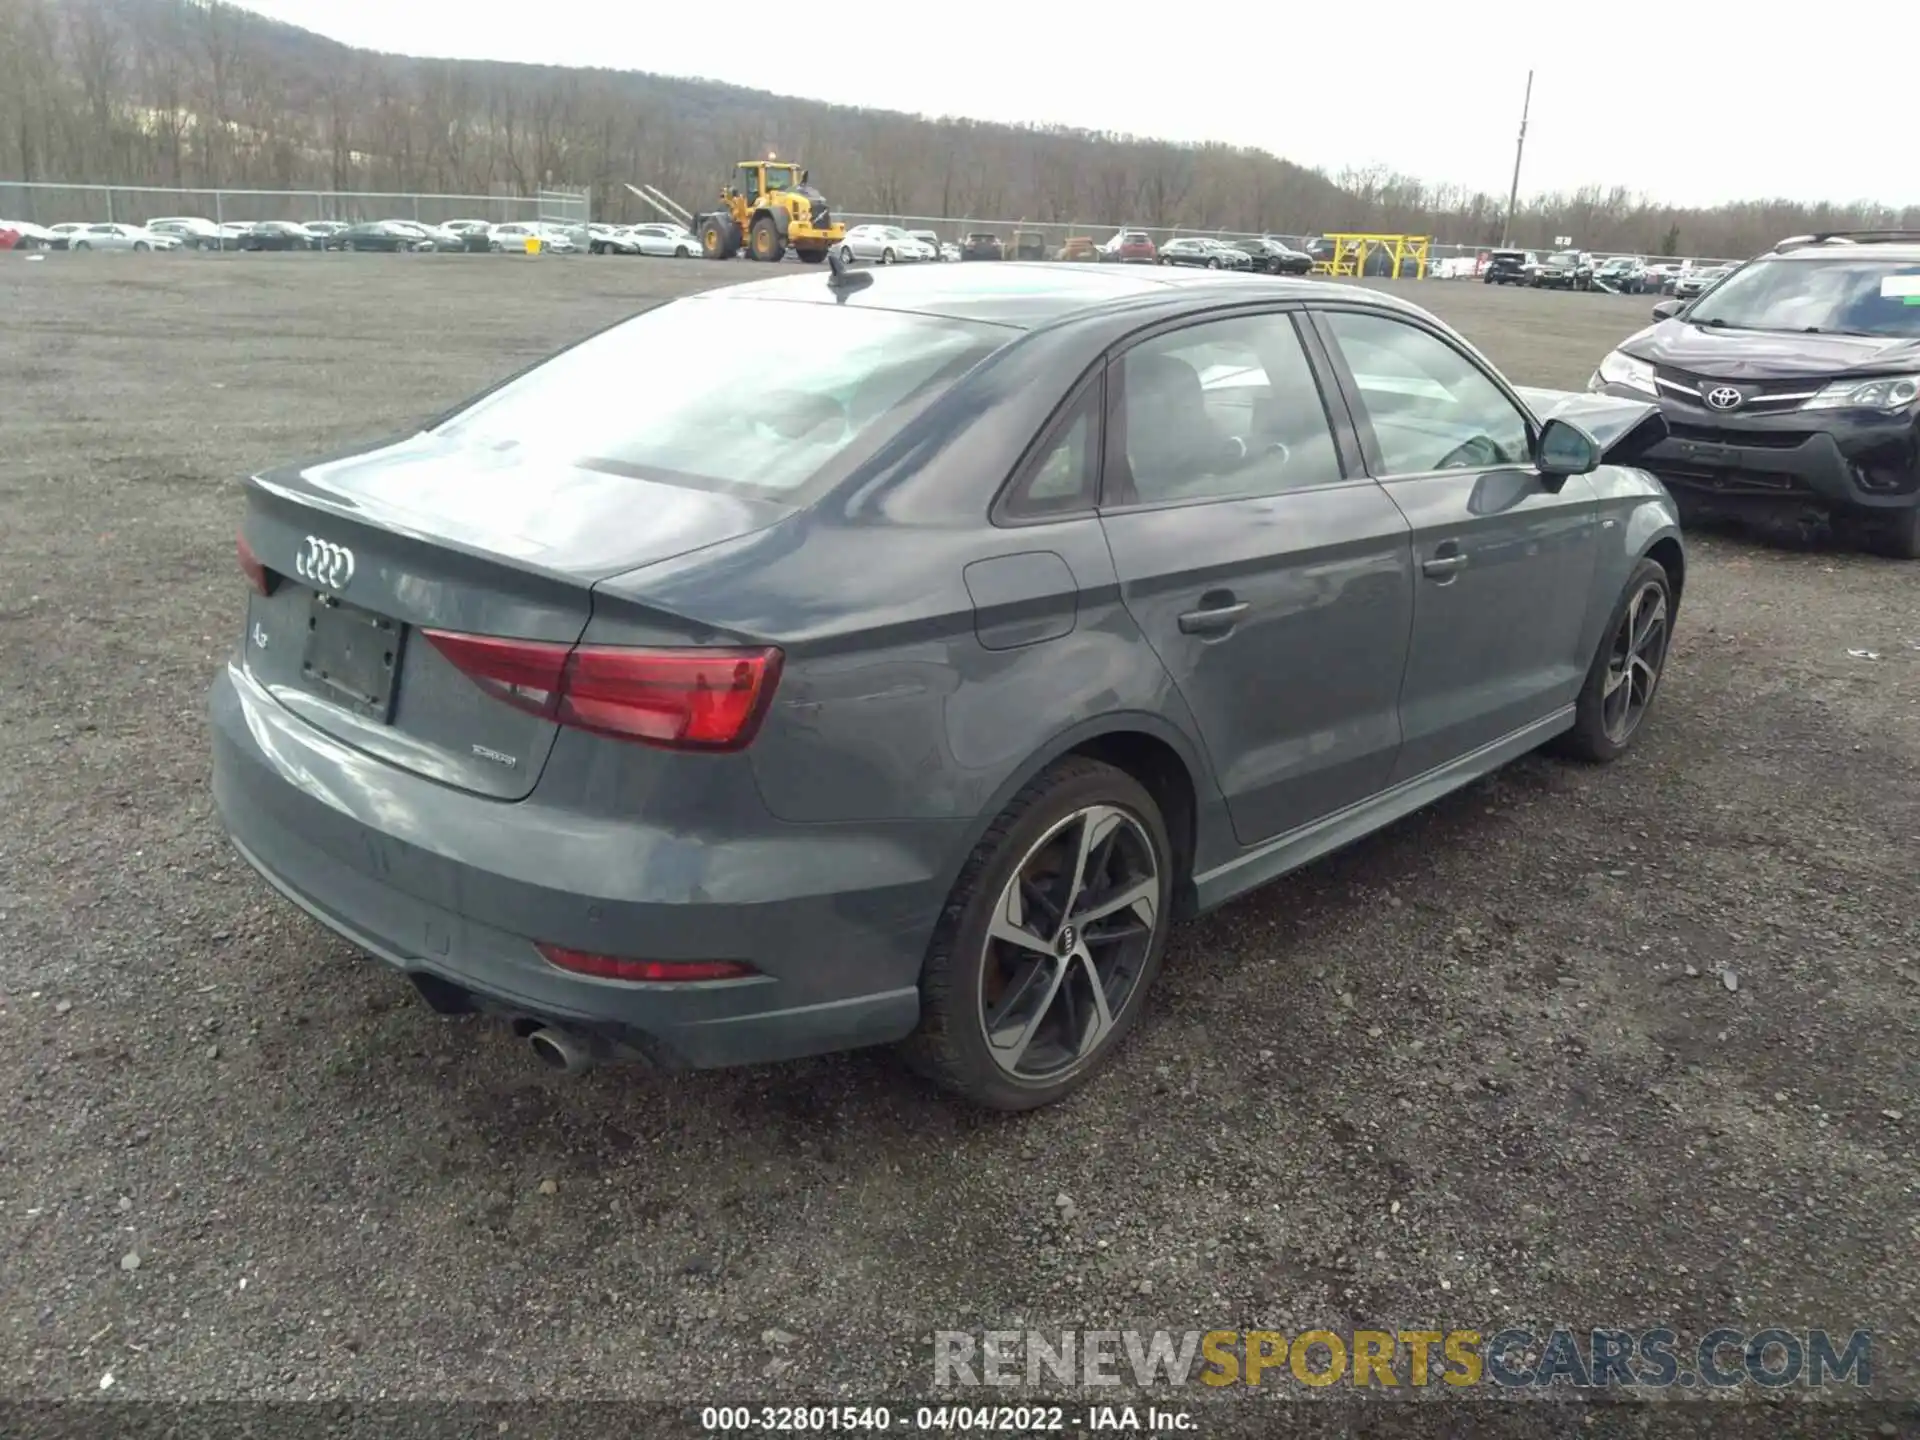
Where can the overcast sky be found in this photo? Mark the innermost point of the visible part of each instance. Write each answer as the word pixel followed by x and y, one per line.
pixel 1711 108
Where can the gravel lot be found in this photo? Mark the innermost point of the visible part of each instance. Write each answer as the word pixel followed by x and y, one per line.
pixel 1487 1068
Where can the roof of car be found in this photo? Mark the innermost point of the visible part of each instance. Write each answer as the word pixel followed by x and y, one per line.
pixel 1900 252
pixel 1026 295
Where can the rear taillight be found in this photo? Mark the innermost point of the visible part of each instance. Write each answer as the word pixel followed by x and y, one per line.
pixel 679 699
pixel 258 576
pixel 653 972
pixel 524 673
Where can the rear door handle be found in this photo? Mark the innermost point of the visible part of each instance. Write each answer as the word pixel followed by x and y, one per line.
pixel 1443 567
pixel 1215 621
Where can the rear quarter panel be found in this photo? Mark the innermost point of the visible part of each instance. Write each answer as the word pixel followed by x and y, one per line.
pixel 891 705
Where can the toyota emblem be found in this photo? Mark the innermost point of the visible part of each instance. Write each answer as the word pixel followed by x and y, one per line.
pixel 325 563
pixel 1724 397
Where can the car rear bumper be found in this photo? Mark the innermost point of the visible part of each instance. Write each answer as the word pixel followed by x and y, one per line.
pixel 454 889
pixel 1714 462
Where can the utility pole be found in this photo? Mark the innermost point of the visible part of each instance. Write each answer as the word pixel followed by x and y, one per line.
pixel 1513 195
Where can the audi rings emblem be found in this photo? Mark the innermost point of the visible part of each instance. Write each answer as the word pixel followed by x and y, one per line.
pixel 1724 397
pixel 325 563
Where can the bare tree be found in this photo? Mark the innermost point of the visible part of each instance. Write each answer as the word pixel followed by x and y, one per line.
pixel 197 92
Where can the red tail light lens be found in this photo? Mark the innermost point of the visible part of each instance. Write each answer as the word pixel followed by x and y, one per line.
pixel 609 967
pixel 679 699
pixel 258 576
pixel 524 673
pixel 688 699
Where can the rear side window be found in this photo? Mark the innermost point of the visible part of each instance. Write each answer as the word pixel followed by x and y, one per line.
pixel 1225 408
pixel 1064 475
pixel 750 397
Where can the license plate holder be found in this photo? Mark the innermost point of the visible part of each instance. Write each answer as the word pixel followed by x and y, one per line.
pixel 352 656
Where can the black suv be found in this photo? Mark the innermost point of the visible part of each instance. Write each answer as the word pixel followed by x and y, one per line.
pixel 1509 267
pixel 1564 270
pixel 1791 389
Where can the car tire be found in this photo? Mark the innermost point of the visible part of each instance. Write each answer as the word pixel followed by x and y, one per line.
pixel 1046 827
pixel 846 254
pixel 79 245
pixel 1897 536
pixel 681 252
pixel 886 257
pixel 1603 727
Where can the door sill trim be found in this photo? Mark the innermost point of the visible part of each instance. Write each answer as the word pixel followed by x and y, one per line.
pixel 1309 842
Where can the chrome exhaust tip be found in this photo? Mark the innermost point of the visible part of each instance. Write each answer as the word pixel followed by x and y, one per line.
pixel 561 1051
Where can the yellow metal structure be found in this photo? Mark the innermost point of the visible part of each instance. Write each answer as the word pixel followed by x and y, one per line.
pixel 1407 254
pixel 768 207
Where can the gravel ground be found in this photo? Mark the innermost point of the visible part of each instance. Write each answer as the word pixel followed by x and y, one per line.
pixel 1624 1047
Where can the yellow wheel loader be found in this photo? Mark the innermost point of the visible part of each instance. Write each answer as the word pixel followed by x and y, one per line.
pixel 769 209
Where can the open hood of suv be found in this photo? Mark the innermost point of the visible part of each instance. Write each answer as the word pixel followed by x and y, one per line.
pixel 1768 354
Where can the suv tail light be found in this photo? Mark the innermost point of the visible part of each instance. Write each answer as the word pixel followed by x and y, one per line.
pixel 694 699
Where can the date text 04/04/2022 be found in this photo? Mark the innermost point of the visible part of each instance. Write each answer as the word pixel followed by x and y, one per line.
pixel 940 1419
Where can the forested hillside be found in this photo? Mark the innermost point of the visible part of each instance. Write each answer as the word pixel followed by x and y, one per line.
pixel 198 94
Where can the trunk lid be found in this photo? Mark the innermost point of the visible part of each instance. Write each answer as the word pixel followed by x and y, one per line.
pixel 368 549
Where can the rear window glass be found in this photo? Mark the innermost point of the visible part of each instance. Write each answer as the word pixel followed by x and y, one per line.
pixel 694 393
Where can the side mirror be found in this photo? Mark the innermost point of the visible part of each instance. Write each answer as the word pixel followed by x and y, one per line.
pixel 1667 309
pixel 1565 449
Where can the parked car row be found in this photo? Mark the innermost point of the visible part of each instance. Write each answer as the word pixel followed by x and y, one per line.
pixel 1618 274
pixel 1265 254
pixel 189 232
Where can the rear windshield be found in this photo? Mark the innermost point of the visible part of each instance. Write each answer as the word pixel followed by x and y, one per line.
pixel 1853 295
pixel 698 393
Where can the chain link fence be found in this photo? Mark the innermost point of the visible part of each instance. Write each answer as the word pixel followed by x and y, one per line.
pixel 40 203
pixel 1445 259
pixel 1056 239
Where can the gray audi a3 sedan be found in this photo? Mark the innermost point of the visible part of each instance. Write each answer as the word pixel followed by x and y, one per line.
pixel 902 674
